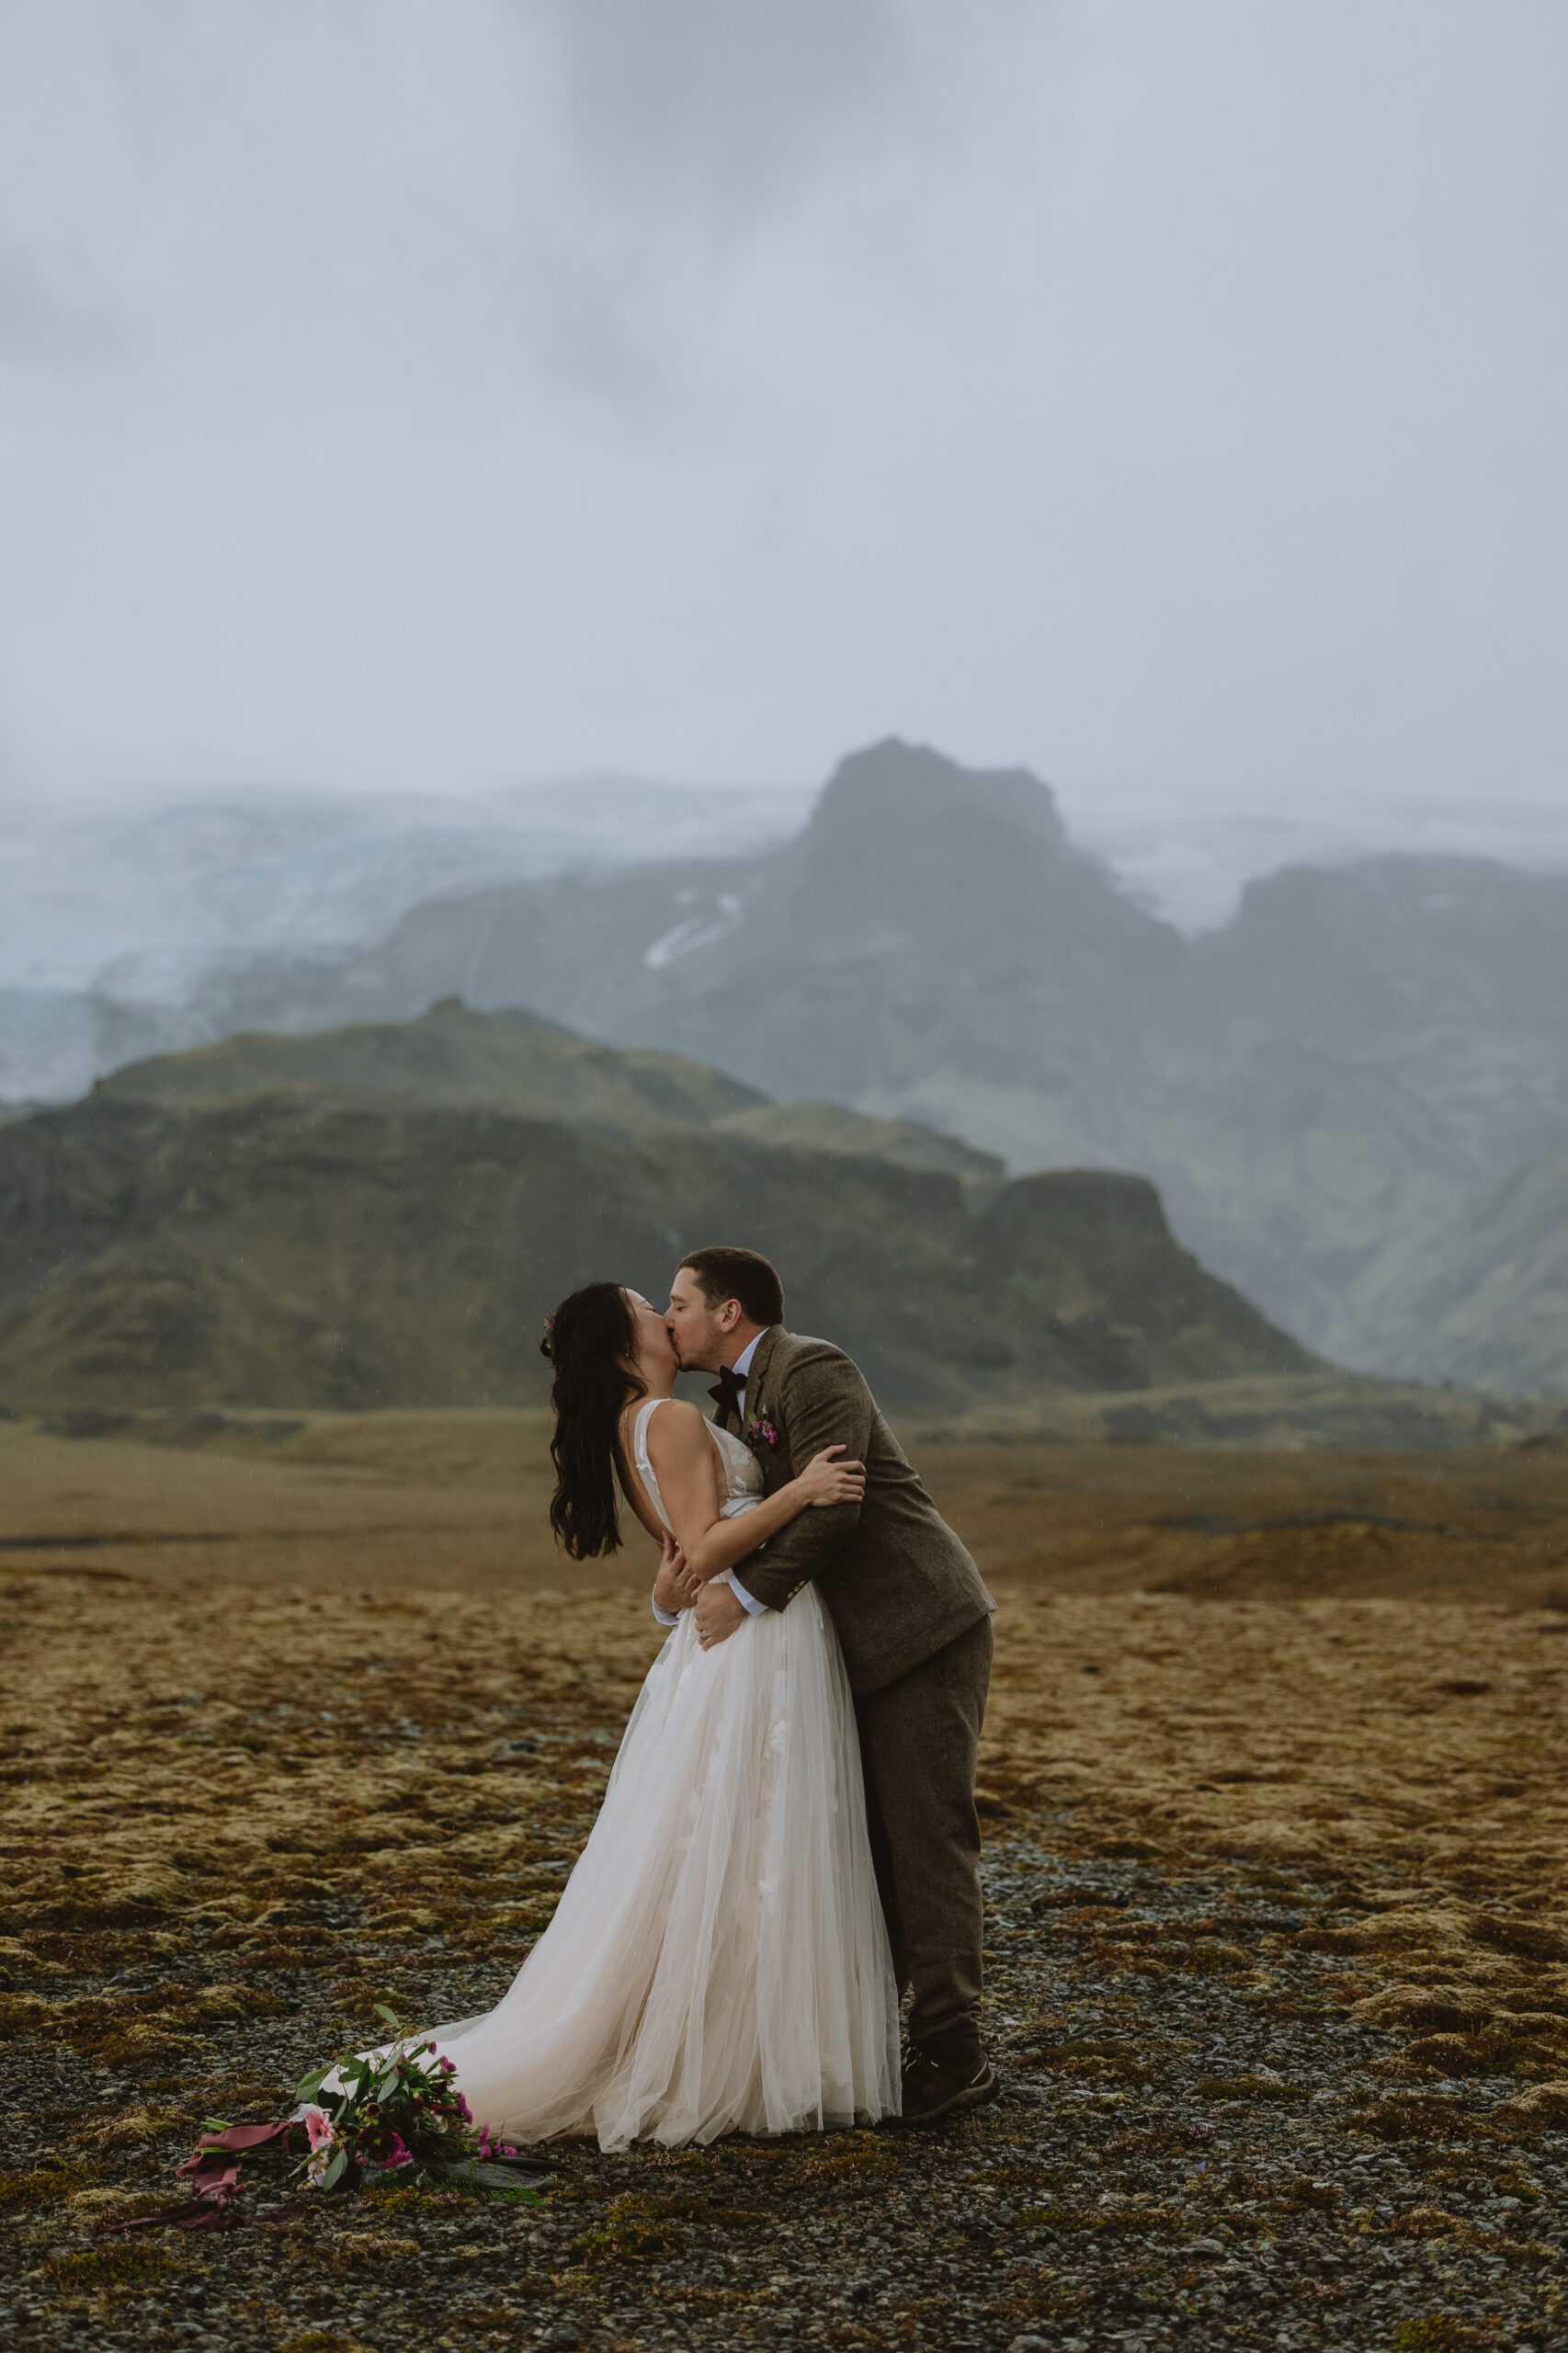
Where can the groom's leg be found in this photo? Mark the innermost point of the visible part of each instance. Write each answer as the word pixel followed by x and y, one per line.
pixel 882 1863
pixel 920 1739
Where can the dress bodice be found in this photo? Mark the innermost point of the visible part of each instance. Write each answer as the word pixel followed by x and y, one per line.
pixel 740 1473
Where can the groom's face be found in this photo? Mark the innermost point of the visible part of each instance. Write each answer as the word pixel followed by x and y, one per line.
pixel 698 1331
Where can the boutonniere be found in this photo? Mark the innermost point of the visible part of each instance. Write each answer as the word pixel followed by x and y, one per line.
pixel 761 1432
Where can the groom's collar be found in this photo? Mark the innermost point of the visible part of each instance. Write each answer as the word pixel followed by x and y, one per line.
pixel 748 1373
pixel 754 1360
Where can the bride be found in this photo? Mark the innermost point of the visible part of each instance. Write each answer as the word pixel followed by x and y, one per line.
pixel 719 1960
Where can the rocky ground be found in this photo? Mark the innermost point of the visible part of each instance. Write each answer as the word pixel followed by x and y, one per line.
pixel 1176 2159
pixel 1278 1982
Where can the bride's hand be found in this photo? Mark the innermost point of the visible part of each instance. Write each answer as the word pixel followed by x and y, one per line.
pixel 826 1480
pixel 676 1586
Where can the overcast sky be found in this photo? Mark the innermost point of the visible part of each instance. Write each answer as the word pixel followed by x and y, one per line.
pixel 433 391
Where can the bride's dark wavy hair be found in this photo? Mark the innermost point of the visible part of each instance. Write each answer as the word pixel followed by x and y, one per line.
pixel 589 1340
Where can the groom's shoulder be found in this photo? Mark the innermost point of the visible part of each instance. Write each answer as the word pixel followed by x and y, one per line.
pixel 796 1352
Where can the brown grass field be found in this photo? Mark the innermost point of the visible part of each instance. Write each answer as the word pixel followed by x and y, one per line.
pixel 1350 1663
pixel 248 1659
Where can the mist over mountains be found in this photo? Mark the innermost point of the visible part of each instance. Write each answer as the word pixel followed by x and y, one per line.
pixel 1318 1086
pixel 1481 1298
pixel 120 918
pixel 1312 1087
pixel 117 929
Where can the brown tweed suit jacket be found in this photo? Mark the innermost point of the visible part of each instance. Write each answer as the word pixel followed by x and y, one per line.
pixel 896 1581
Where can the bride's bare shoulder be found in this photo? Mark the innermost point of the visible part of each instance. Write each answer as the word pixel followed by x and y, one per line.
pixel 676 1430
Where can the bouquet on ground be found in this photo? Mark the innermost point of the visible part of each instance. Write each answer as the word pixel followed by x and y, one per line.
pixel 392 2114
pixel 380 2113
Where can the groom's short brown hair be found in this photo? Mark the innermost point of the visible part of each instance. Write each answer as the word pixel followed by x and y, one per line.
pixel 723 1273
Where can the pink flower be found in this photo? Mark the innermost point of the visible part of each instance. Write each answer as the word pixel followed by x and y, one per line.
pixel 318 2124
pixel 399 2154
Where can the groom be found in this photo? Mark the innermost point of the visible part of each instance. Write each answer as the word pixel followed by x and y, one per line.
pixel 915 1622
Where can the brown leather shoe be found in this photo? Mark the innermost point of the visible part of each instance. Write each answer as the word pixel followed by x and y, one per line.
pixel 938 2082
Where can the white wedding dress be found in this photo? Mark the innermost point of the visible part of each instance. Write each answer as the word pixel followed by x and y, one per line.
pixel 718 1962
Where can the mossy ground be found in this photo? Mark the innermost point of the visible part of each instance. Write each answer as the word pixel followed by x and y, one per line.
pixel 1279 1947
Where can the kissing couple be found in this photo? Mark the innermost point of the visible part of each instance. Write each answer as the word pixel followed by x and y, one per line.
pixel 789 1839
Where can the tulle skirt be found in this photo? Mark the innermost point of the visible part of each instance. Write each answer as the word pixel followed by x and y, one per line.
pixel 718 1962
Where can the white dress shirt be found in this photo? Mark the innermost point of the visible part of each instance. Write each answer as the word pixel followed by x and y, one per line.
pixel 747 1602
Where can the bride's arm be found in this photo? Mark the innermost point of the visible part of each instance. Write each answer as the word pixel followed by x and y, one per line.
pixel 686 1464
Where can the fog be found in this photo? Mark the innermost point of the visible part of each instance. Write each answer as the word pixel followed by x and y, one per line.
pixel 423 395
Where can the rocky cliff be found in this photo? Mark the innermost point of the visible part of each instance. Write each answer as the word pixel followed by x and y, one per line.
pixel 1482 1299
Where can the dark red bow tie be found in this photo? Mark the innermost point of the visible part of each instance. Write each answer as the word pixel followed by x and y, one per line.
pixel 728 1391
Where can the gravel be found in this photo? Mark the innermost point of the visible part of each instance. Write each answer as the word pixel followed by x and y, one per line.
pixel 1196 2145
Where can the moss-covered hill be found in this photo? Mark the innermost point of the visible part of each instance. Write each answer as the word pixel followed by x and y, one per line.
pixel 382 1218
pixel 451 1058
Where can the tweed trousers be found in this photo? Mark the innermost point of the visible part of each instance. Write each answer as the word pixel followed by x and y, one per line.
pixel 919 1741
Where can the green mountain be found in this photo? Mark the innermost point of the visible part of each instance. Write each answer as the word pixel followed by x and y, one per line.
pixel 453 1059
pixel 384 1216
pixel 509 1061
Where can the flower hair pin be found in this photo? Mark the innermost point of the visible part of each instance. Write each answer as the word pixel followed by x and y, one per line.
pixel 547 1339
